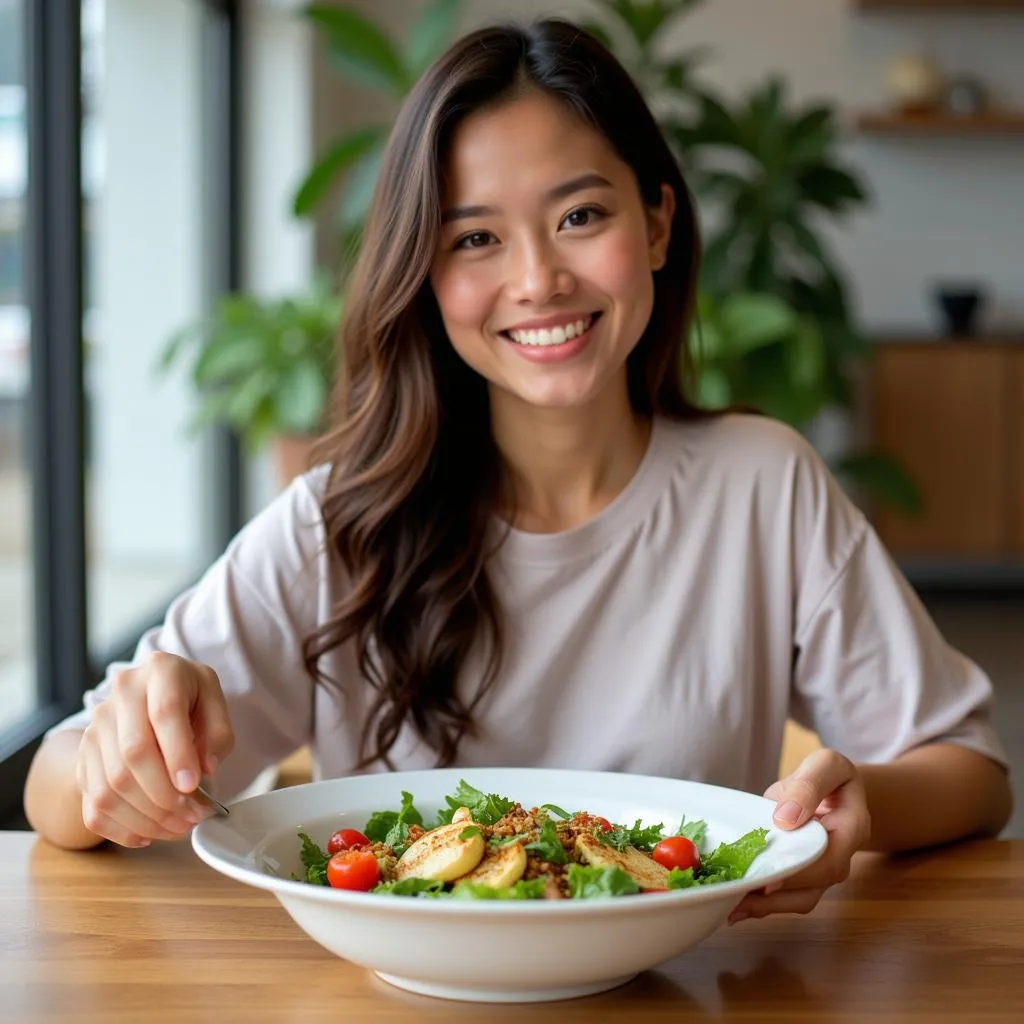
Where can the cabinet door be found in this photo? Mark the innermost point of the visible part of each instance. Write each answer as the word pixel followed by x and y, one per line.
pixel 1015 470
pixel 943 411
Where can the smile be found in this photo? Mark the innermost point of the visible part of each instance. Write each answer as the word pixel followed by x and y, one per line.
pixel 552 336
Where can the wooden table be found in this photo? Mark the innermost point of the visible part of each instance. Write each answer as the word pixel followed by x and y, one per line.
pixel 155 935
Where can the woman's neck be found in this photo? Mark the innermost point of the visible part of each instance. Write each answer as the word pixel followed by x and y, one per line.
pixel 562 466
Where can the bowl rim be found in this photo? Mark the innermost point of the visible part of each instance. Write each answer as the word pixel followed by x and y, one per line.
pixel 286 887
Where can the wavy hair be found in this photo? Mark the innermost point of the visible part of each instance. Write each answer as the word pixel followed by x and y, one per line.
pixel 414 477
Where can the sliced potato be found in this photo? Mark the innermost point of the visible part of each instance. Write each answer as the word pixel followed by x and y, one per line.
pixel 647 873
pixel 442 855
pixel 500 868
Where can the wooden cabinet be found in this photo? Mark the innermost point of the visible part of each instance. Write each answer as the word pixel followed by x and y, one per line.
pixel 953 413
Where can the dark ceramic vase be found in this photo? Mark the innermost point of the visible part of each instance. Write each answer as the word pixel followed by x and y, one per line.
pixel 959 306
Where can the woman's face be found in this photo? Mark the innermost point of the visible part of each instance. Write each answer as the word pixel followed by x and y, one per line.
pixel 543 273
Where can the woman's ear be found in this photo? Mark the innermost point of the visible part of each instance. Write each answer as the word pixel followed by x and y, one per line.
pixel 660 227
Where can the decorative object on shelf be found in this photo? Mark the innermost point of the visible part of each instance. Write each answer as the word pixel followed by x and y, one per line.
pixel 914 83
pixel 960 303
pixel 967 96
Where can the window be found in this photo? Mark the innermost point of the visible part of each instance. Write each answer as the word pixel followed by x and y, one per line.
pixel 118 221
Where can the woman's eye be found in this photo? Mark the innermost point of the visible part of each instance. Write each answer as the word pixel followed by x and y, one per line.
pixel 582 217
pixel 474 240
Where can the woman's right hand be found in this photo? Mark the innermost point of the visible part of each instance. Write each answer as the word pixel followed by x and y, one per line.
pixel 164 723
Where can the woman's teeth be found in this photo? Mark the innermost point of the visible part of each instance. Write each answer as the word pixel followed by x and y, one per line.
pixel 554 335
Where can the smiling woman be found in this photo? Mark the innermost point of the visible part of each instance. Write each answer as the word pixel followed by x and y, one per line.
pixel 524 545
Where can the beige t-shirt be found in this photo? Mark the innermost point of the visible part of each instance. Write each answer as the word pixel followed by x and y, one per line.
pixel 730 585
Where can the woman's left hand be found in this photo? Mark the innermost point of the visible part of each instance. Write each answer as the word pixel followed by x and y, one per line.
pixel 828 787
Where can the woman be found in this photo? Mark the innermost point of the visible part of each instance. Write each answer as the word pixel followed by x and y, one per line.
pixel 524 546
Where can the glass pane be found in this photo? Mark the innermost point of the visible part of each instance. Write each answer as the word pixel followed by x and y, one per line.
pixel 17 668
pixel 148 524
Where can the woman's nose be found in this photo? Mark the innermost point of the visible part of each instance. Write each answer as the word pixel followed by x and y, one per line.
pixel 537 274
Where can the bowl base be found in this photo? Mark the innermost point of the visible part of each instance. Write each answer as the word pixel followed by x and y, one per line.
pixel 485 995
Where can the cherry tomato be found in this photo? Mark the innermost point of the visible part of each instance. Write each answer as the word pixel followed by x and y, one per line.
pixel 345 839
pixel 606 825
pixel 353 869
pixel 676 852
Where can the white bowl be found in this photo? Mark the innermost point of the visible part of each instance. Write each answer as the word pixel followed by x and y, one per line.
pixel 508 951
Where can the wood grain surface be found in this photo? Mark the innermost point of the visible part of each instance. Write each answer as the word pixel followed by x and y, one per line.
pixel 154 935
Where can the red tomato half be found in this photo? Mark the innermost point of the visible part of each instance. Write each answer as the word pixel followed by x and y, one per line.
pixel 353 869
pixel 345 839
pixel 676 852
pixel 606 825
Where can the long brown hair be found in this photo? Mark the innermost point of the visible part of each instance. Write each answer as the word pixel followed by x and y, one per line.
pixel 414 478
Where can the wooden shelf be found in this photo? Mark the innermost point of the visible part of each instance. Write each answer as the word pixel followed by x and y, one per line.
pixel 963 6
pixel 996 123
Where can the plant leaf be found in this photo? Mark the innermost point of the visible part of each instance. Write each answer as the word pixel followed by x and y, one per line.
pixel 430 34
pixel 600 33
pixel 359 188
pixel 299 401
pixel 345 152
pixel 750 321
pixel 359 50
pixel 884 478
pixel 805 354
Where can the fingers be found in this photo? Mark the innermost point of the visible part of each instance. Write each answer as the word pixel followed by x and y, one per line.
pixel 215 738
pixel 90 771
pixel 138 751
pixel 118 796
pixel 798 796
pixel 786 901
pixel 169 709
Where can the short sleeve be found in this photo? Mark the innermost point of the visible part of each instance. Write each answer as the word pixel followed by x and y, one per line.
pixel 873 676
pixel 247 619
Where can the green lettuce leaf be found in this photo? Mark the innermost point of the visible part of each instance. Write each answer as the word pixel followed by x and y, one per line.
pixel 695 831
pixel 410 887
pixel 531 890
pixel 547 845
pixel 590 883
pixel 486 808
pixel 678 879
pixel 622 836
pixel 384 826
pixel 730 861
pixel 314 860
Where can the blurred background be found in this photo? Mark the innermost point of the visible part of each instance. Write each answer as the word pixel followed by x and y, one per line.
pixel 182 189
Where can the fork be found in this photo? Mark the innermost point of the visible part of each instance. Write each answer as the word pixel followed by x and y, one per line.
pixel 203 789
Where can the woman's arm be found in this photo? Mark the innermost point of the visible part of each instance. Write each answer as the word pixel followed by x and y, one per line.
pixel 53 801
pixel 936 793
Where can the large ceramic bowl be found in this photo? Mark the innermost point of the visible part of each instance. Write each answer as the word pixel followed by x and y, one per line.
pixel 508 951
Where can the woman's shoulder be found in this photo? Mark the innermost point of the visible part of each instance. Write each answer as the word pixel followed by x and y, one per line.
pixel 769 471
pixel 740 443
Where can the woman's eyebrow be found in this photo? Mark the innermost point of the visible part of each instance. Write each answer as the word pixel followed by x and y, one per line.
pixel 562 191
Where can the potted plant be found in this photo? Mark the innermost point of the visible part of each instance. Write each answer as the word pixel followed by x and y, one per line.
pixel 264 368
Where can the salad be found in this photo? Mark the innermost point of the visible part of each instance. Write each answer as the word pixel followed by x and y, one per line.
pixel 486 846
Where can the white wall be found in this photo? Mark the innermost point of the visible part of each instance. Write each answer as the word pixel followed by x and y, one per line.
pixel 942 208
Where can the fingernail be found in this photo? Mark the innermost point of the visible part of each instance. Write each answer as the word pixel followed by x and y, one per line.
pixel 185 781
pixel 774 887
pixel 737 916
pixel 145 842
pixel 788 813
pixel 211 763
